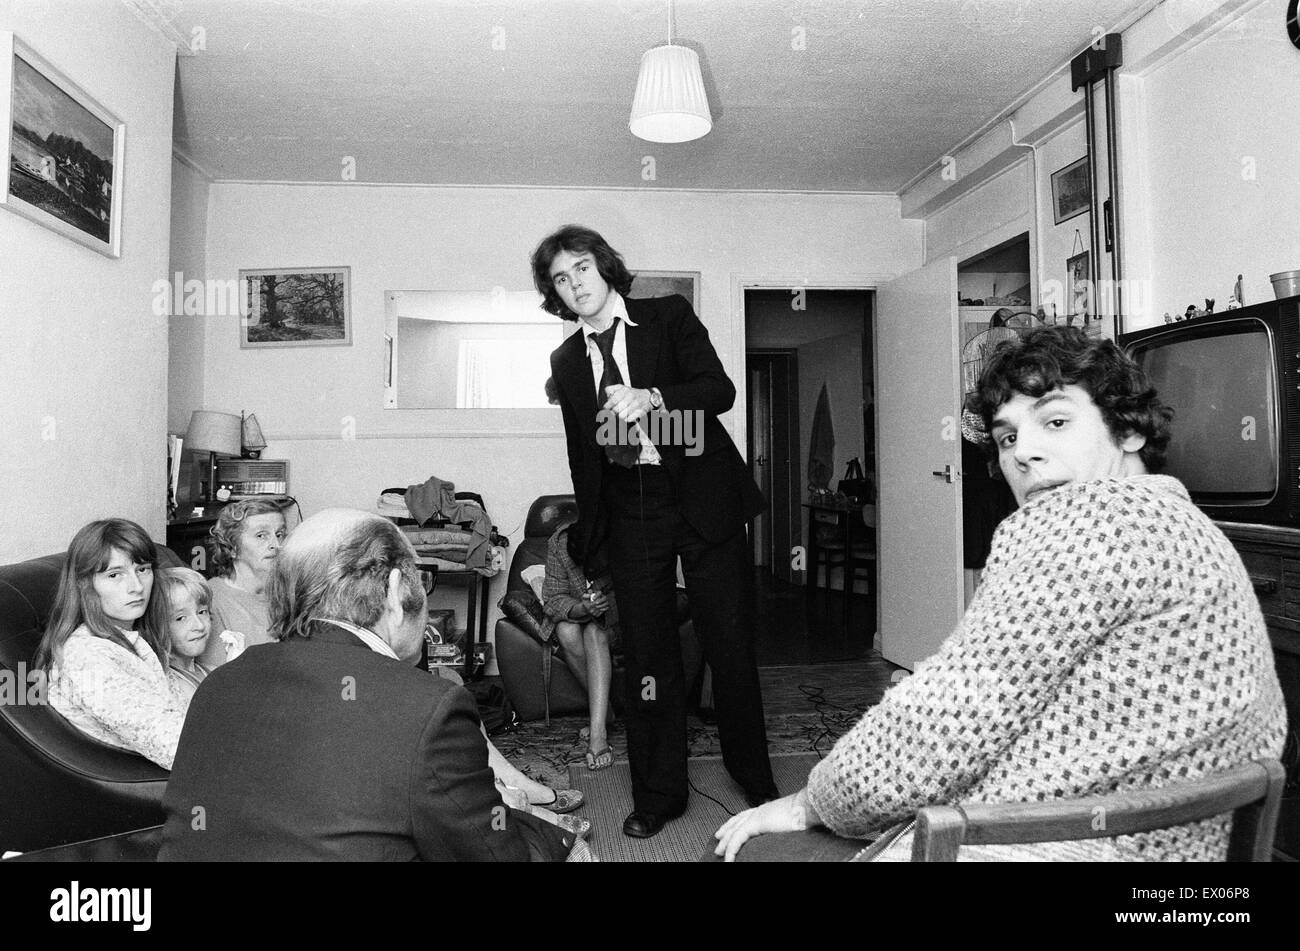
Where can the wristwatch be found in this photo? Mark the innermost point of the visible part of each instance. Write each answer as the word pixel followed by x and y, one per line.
pixel 656 398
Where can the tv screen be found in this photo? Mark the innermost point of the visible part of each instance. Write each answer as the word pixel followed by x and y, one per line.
pixel 1224 394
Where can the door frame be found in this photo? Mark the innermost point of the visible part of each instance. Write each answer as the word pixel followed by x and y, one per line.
pixel 745 282
pixel 784 518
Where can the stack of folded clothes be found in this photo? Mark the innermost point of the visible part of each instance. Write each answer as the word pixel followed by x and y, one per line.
pixel 456 532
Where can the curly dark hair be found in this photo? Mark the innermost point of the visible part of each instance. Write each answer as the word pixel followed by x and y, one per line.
pixel 576 240
pixel 1048 358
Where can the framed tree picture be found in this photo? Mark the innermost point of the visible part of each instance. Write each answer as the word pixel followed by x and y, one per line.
pixel 296 307
pixel 65 151
pixel 1071 190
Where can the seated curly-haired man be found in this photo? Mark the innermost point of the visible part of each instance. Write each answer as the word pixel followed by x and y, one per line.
pixel 1114 643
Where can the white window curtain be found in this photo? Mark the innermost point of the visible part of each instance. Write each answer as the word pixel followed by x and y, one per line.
pixel 501 374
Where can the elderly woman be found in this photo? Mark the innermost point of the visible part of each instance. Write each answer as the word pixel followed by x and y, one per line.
pixel 1115 642
pixel 247 539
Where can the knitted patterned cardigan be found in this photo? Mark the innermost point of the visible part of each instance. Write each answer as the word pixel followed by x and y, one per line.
pixel 1114 643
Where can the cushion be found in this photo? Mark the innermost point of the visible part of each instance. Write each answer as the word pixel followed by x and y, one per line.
pixel 535 577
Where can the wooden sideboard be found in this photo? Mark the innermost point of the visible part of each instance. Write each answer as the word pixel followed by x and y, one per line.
pixel 1272 558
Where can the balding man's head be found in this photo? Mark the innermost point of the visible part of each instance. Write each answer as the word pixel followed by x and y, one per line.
pixel 337 565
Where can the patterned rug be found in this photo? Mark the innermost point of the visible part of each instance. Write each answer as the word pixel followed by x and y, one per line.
pixel 807 708
pixel 686 839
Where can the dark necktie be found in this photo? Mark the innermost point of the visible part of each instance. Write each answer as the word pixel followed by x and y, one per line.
pixel 619 454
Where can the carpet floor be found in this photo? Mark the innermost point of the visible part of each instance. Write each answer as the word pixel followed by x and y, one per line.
pixel 609 800
pixel 806 707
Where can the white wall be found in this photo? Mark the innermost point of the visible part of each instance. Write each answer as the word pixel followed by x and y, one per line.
pixel 83 361
pixel 321 408
pixel 1223 164
pixel 189 222
pixel 1210 182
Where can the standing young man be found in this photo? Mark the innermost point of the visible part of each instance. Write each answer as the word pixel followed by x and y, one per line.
pixel 671 486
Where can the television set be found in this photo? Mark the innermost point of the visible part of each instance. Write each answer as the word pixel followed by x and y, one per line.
pixel 1233 379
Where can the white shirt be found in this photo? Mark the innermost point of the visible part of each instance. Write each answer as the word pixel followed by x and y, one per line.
pixel 373 641
pixel 649 454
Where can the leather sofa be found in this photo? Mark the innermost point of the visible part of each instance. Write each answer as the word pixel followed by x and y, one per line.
pixel 58 785
pixel 519 649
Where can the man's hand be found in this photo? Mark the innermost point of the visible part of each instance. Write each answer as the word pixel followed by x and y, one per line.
pixel 780 815
pixel 627 403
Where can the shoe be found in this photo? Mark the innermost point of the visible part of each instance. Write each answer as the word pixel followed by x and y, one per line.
pixel 566 800
pixel 575 824
pixel 643 825
pixel 756 798
pixel 602 758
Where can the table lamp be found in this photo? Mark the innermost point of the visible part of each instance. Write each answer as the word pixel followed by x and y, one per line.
pixel 213 433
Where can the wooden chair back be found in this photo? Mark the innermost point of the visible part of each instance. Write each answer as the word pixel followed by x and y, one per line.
pixel 1252 793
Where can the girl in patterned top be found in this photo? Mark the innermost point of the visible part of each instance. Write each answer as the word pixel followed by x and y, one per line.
pixel 105 650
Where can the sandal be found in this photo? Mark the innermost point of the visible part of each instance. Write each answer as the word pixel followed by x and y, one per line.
pixel 602 758
pixel 566 800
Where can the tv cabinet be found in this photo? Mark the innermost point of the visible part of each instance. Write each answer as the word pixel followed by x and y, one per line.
pixel 1272 558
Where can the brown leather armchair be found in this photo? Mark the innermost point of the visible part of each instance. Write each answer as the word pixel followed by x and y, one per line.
pixel 519 648
pixel 58 785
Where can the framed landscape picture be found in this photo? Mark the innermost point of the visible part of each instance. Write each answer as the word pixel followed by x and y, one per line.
pixel 64 157
pixel 296 307
pixel 1071 191
pixel 667 283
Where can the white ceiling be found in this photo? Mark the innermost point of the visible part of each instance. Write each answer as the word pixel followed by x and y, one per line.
pixel 415 91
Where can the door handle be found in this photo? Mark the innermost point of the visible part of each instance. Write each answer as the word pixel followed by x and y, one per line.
pixel 947 474
pixel 761 460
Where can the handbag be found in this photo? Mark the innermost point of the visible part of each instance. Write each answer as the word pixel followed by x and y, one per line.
pixel 855 484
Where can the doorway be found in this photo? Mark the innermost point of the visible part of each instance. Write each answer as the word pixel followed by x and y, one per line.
pixel 797 342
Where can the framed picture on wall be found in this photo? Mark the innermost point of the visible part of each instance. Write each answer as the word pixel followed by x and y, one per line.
pixel 63 166
pixel 667 283
pixel 1071 191
pixel 296 307
pixel 1079 281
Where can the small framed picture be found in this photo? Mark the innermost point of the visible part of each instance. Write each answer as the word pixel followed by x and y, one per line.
pixel 296 307
pixel 1071 190
pixel 1079 282
pixel 64 164
pixel 667 283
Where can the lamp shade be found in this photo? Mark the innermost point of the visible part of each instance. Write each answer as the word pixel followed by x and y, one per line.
pixel 670 103
pixel 213 432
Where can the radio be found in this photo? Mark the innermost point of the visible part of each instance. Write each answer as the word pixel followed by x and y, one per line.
pixel 251 478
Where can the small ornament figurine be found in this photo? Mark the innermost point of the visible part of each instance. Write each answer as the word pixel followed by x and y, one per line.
pixel 1209 305
pixel 1233 303
pixel 1190 312
pixel 1236 292
pixel 1169 318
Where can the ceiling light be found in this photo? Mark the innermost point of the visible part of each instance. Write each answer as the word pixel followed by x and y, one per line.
pixel 670 103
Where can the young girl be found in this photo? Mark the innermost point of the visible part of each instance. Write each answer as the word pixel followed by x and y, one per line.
pixel 105 649
pixel 189 625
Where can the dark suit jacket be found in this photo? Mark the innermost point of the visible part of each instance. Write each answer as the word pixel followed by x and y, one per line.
pixel 669 349
pixel 323 749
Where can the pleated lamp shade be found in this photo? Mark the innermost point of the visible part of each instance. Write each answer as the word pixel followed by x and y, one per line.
pixel 670 103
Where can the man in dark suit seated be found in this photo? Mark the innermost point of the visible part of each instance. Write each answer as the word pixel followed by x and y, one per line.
pixel 330 744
